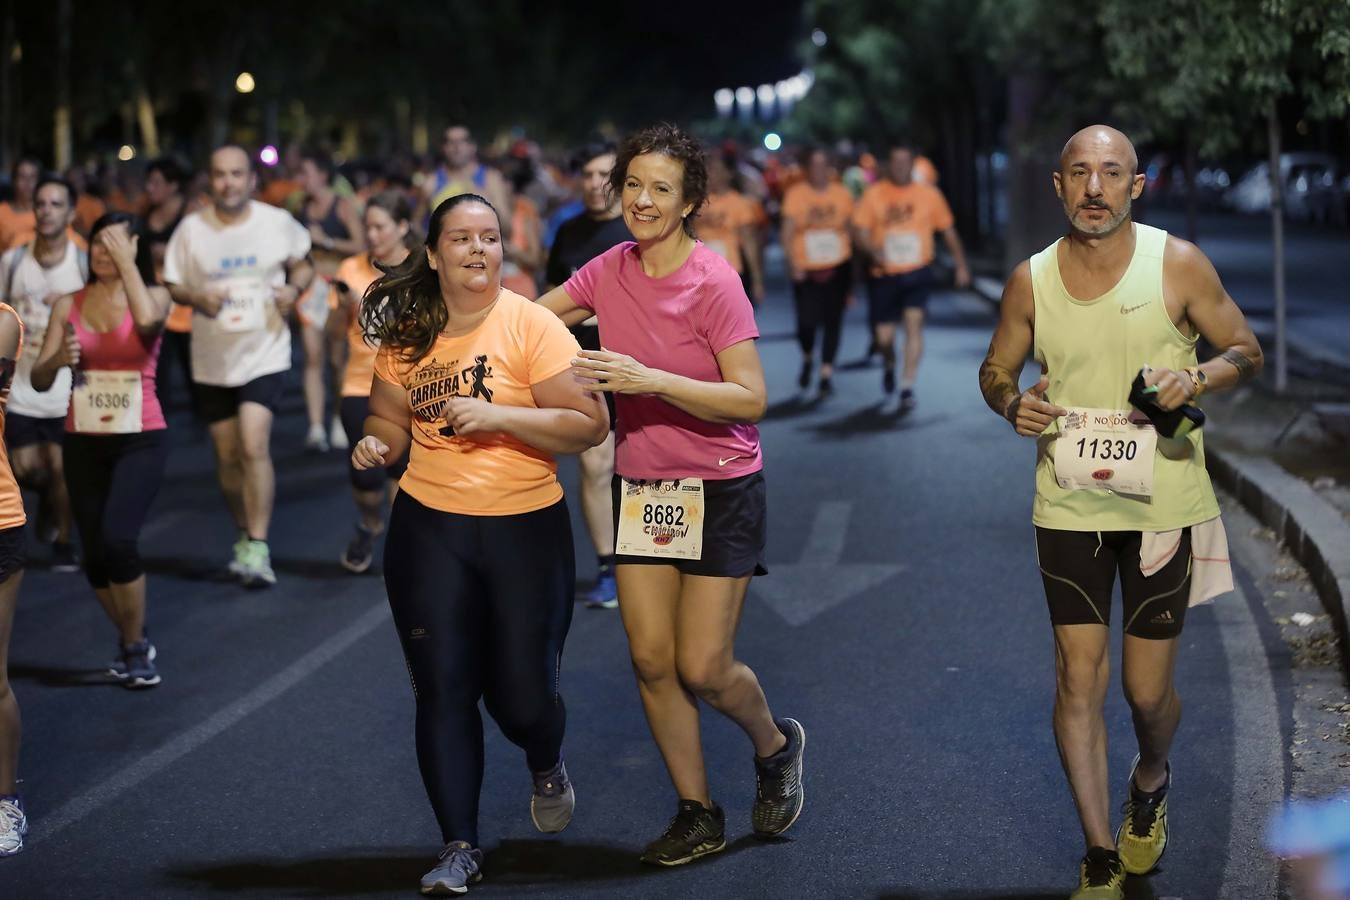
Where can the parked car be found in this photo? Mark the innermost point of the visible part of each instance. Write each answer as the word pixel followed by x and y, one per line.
pixel 1311 187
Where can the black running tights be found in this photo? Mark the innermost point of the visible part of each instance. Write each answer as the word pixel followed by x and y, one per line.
pixel 482 605
pixel 820 305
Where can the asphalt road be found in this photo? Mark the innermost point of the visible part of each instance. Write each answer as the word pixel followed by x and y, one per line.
pixel 903 623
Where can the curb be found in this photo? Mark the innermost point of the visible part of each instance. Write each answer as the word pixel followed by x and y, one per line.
pixel 1313 530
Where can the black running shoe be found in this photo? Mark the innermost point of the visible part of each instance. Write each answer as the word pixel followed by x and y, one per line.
pixel 359 553
pixel 778 783
pixel 907 399
pixel 64 558
pixel 695 831
pixel 804 377
pixel 888 381
pixel 826 387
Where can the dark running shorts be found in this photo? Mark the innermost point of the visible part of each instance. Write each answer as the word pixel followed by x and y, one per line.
pixel 888 296
pixel 25 431
pixel 734 530
pixel 353 412
pixel 12 553
pixel 221 403
pixel 1079 569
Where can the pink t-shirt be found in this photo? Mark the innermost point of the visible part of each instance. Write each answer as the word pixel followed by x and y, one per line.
pixel 678 324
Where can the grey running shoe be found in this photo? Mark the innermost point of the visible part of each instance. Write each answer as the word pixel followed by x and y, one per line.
pixel 778 783
pixel 907 399
pixel 456 868
pixel 13 826
pixel 118 667
pixel 140 663
pixel 257 566
pixel 553 801
pixel 695 831
pixel 359 553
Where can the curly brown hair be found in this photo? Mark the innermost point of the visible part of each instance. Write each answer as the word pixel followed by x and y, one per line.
pixel 673 142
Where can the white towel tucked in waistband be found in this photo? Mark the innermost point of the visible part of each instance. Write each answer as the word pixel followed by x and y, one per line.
pixel 1211 572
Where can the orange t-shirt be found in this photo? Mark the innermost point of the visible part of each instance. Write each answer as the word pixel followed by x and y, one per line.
pixel 901 219
pixel 21 227
pixel 11 501
pixel 276 193
pixel 820 221
pixel 719 222
pixel 358 274
pixel 88 210
pixel 524 235
pixel 924 171
pixel 518 345
pixel 180 319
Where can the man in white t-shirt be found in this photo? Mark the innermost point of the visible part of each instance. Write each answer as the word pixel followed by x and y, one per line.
pixel 32 276
pixel 240 264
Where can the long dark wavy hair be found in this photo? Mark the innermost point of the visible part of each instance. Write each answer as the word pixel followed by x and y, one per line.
pixel 403 309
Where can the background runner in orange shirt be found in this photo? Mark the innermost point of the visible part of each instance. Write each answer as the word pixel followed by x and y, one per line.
pixel 819 248
pixel 388 221
pixel 895 220
pixel 728 223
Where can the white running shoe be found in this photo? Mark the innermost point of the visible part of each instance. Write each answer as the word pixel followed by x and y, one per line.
pixel 337 435
pixel 13 826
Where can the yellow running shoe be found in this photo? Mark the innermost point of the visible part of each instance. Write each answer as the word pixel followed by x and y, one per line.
pixel 1100 876
pixel 1142 836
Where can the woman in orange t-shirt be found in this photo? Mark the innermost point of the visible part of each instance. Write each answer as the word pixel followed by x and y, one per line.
pixel 388 221
pixel 476 381
pixel 13 823
pixel 816 239
pixel 728 225
pixel 524 252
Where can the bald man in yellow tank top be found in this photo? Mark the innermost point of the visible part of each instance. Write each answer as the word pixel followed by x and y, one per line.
pixel 1113 494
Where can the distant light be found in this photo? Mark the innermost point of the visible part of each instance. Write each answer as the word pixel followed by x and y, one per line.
pixel 765 94
pixel 268 155
pixel 126 153
pixel 245 84
pixel 725 98
pixel 745 96
pixel 818 38
pixel 772 141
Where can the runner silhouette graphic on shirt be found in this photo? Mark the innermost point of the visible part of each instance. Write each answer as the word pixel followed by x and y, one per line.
pixel 480 372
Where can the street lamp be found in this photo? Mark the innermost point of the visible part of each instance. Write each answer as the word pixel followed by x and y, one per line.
pixel 126 153
pixel 818 38
pixel 745 100
pixel 766 97
pixel 245 84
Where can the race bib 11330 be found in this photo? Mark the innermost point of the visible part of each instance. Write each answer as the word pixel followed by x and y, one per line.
pixel 1105 449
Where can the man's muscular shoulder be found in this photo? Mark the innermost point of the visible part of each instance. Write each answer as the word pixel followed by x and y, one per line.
pixel 1187 271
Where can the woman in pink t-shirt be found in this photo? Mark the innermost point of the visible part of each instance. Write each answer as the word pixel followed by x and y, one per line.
pixel 115 449
pixel 679 337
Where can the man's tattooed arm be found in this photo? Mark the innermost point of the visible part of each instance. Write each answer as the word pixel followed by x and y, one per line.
pixel 1246 367
pixel 998 386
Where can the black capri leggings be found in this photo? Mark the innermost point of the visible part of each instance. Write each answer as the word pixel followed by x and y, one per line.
pixel 482 605
pixel 820 305
pixel 353 412
pixel 113 480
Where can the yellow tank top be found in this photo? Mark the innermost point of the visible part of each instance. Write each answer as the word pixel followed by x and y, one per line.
pixel 1091 351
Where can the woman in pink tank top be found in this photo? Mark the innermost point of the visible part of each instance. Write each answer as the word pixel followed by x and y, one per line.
pixel 109 334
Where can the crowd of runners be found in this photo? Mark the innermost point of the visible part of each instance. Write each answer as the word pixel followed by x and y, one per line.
pixel 462 324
